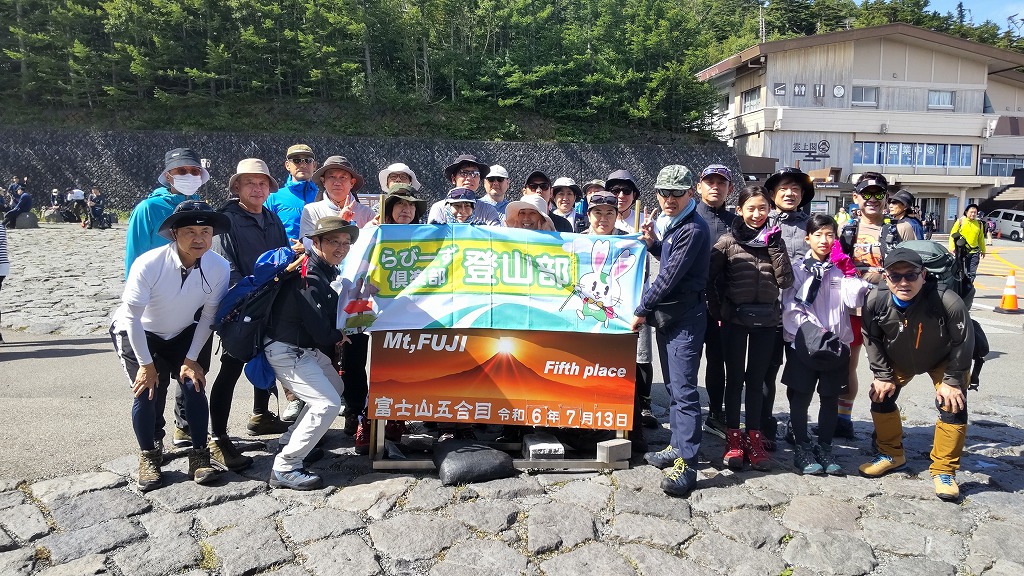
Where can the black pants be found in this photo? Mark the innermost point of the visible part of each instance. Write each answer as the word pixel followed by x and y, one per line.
pixel 223 390
pixel 354 356
pixel 714 375
pixel 828 414
pixel 748 353
pixel 771 378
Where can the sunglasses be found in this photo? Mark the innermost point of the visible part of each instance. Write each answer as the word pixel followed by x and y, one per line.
pixel 603 200
pixel 874 196
pixel 496 179
pixel 305 160
pixel 468 173
pixel 538 185
pixel 896 278
pixel 462 196
pixel 620 190
pixel 664 193
pixel 182 170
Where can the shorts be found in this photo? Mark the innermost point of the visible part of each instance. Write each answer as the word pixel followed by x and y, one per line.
pixel 858 336
pixel 803 378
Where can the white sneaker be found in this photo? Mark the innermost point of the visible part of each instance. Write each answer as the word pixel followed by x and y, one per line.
pixel 291 411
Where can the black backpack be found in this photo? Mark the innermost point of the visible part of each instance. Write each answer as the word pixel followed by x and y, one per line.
pixel 944 267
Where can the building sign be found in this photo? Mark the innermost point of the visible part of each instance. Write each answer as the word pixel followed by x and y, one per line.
pixel 513 377
pixel 799 89
pixel 819 90
pixel 779 89
pixel 812 151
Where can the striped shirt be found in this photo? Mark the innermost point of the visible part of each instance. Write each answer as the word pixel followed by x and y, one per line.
pixel 5 264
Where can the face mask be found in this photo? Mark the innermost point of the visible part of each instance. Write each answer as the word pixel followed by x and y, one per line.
pixel 187 184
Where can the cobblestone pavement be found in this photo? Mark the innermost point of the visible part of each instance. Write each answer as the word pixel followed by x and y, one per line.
pixel 552 523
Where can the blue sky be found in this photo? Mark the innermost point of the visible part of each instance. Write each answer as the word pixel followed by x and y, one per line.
pixel 981 10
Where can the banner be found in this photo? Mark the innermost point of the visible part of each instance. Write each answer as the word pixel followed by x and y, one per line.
pixel 408 277
pixel 516 377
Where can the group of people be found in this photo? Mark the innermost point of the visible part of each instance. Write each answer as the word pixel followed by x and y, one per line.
pixel 745 288
pixel 73 205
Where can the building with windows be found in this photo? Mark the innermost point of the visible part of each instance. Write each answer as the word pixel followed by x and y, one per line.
pixel 938 115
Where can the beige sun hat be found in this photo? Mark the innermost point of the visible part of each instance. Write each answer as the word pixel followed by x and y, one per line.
pixel 252 166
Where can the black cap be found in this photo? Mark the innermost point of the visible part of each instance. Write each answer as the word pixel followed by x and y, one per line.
pixel 903 197
pixel 903 255
pixel 194 213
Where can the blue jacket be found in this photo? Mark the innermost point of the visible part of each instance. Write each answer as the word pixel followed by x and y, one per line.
pixel 289 201
pixel 685 255
pixel 146 218
pixel 23 204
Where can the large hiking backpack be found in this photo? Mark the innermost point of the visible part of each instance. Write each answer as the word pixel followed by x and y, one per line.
pixel 943 266
pixel 244 313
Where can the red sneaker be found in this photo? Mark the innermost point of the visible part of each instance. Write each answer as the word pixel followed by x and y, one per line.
pixel 756 452
pixel 363 438
pixel 394 430
pixel 733 457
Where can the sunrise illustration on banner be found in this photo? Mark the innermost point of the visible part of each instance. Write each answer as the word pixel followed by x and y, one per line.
pixel 491 363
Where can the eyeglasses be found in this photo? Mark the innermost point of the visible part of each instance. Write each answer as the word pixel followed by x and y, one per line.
pixel 620 190
pixel 496 179
pixel 873 195
pixel 468 173
pixel 303 160
pixel 182 170
pixel 665 193
pixel 896 278
pixel 538 185
pixel 337 243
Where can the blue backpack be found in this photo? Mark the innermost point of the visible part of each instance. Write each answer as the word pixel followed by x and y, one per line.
pixel 244 313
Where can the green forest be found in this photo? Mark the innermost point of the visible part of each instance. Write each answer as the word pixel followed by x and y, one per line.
pixel 552 70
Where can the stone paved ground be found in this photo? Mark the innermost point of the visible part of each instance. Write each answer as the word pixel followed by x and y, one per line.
pixel 551 523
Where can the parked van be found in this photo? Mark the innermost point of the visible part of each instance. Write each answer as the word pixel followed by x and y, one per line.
pixel 1009 223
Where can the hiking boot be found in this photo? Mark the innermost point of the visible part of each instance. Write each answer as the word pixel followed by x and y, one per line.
pixel 648 420
pixel 291 411
pixel 295 480
pixel 663 458
pixel 265 423
pixel 182 438
pixel 823 454
pixel 881 465
pixel 756 452
pixel 351 423
pixel 199 468
pixel 769 431
pixel 680 480
pixel 363 438
pixel 715 424
pixel 160 447
pixel 789 436
pixel 149 470
pixel 733 457
pixel 395 429
pixel 223 451
pixel 803 460
pixel 946 487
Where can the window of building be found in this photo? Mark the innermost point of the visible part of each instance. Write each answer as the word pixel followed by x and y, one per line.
pixel 929 154
pixel 864 96
pixel 941 99
pixel 751 99
pixel 993 166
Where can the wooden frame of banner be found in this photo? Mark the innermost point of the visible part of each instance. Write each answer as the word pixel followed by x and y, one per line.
pixel 523 350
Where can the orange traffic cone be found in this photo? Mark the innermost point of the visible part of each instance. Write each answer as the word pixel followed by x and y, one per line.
pixel 1009 303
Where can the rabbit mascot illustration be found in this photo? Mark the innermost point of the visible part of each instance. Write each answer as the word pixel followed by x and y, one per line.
pixel 600 291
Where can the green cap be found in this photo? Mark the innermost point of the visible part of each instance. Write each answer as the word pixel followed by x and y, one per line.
pixel 674 177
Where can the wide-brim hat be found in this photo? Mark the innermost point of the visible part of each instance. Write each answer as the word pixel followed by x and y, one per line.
pixel 531 202
pixel 177 158
pixel 566 182
pixel 382 176
pixel 806 186
pixel 403 191
pixel 194 213
pixel 449 171
pixel 336 163
pixel 621 177
pixel 252 166
pixel 903 197
pixel 329 224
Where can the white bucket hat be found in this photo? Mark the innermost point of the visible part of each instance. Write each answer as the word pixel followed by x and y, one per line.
pixel 528 202
pixel 382 176
pixel 252 166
